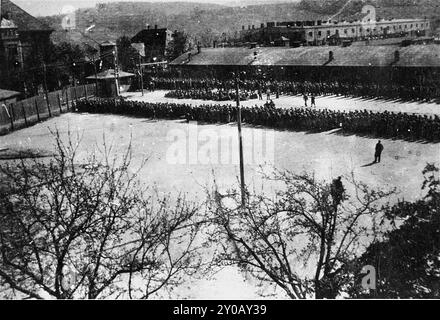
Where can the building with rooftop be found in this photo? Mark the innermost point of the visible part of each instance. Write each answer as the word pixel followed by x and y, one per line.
pixel 23 40
pixel 414 65
pixel 322 32
pixel 156 41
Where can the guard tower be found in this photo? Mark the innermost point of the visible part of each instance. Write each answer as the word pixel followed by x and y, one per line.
pixel 108 51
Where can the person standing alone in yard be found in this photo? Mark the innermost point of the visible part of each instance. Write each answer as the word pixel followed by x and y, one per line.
pixel 312 101
pixel 378 153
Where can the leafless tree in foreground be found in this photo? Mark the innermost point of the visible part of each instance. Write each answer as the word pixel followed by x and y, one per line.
pixel 72 230
pixel 299 238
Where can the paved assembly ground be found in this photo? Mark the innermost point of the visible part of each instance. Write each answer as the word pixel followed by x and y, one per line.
pixel 324 102
pixel 329 154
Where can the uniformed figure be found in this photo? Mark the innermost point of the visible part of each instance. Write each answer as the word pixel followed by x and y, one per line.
pixel 378 153
pixel 305 99
pixel 312 101
pixel 337 191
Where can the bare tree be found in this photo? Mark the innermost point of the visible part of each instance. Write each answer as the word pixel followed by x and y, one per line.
pixel 299 238
pixel 85 228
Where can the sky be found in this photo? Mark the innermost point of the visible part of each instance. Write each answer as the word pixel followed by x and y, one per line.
pixel 52 7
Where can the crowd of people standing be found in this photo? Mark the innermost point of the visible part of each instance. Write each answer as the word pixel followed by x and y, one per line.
pixel 385 124
pixel 260 88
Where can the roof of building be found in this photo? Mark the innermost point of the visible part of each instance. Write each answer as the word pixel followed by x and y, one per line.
pixel 110 74
pixel 108 43
pixel 146 32
pixel 8 94
pixel 23 20
pixel 379 56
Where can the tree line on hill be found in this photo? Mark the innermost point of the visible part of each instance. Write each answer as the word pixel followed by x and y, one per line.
pixel 209 23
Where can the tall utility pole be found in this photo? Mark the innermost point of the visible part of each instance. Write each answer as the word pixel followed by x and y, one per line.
pixel 141 74
pixel 21 55
pixel 45 88
pixel 96 75
pixel 240 141
pixel 116 71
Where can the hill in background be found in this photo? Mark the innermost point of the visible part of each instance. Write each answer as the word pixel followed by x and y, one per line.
pixel 208 22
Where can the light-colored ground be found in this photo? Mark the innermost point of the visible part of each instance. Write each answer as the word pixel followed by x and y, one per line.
pixel 328 154
pixel 324 102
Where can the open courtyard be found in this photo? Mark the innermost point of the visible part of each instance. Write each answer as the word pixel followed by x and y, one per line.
pixel 188 157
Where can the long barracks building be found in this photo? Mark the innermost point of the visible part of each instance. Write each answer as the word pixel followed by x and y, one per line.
pixel 321 32
pixel 414 65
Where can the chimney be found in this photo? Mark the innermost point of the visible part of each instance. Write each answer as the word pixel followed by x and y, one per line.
pixel 253 27
pixel 155 27
pixel 189 56
pixel 148 26
pixel 262 26
pixel 199 47
pixel 331 57
pixel 242 27
pixel 396 56
pixel 249 27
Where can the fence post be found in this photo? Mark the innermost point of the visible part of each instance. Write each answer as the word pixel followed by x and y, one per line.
pixel 24 114
pixel 85 91
pixel 36 108
pixel 76 94
pixel 48 105
pixel 67 99
pixel 11 116
pixel 59 102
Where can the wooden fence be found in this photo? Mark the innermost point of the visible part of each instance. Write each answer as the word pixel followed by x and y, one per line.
pixel 29 111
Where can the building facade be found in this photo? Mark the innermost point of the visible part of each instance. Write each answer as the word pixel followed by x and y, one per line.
pixel 334 32
pixel 24 42
pixel 9 45
pixel 156 42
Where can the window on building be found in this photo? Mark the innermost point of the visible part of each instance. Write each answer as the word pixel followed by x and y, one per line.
pixel 319 33
pixel 310 34
pixel 329 32
pixel 353 30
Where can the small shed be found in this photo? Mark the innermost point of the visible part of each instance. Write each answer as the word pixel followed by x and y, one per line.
pixel 107 79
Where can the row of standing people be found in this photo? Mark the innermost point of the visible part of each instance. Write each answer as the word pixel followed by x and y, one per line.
pixel 212 95
pixel 316 88
pixel 386 124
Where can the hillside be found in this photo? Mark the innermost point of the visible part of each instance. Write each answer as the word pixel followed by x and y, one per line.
pixel 208 22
